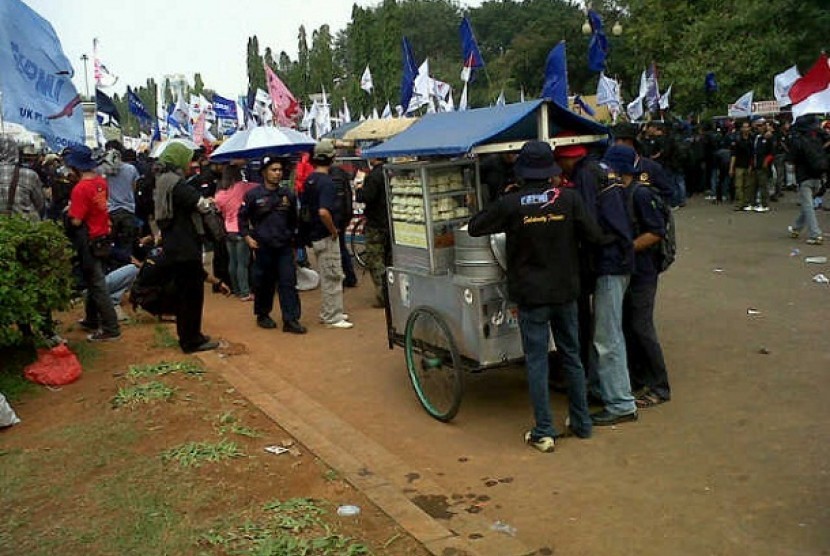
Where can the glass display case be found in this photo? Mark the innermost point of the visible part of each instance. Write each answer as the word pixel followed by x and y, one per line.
pixel 427 201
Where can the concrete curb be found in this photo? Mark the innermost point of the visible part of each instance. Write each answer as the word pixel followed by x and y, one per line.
pixel 364 464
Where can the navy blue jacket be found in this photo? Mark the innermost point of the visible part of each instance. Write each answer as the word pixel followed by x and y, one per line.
pixel 269 216
pixel 648 218
pixel 614 219
pixel 651 173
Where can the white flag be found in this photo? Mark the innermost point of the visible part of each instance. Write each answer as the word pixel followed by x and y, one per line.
pixel 309 116
pixel 387 112
pixel 447 105
pixel 462 104
pixel 322 123
pixel 501 101
pixel 665 99
pixel 782 84
pixel 422 90
pixel 643 85
pixel 635 109
pixel 345 114
pixel 608 92
pixel 375 114
pixel 522 94
pixel 742 107
pixel 366 82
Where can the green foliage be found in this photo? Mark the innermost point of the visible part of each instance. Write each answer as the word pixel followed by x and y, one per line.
pixel 194 454
pixel 142 393
pixel 228 423
pixel 35 275
pixel 163 338
pixel 190 368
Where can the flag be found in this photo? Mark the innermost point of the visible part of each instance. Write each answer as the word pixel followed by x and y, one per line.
pixel 199 130
pixel 107 113
pixel 710 84
pixel 261 108
pixel 310 115
pixel 387 112
pixel 635 109
pixel 345 114
pixel 641 94
pixel 665 98
pixel 584 106
pixel 742 107
pixel 410 72
pixel 322 120
pixel 375 114
pixel 782 84
pixel 608 93
pixel 36 78
pixel 521 94
pixel 652 96
pixel 103 76
pixel 598 47
pixel 137 108
pixel 555 87
pixel 366 82
pixel 470 54
pixel 224 108
pixel 500 101
pixel 422 89
pixel 285 106
pixel 447 105
pixel 814 81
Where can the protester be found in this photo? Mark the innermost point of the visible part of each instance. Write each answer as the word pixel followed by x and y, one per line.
pixel 372 193
pixel 321 218
pixel 544 224
pixel 810 160
pixel 177 207
pixel 21 191
pixel 268 223
pixel 90 224
pixel 229 198
pixel 762 157
pixel 121 179
pixel 740 167
pixel 343 180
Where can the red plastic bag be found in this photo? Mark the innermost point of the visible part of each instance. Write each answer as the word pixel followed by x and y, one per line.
pixel 54 367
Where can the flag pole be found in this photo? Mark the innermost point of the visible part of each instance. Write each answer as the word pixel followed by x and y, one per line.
pixel 2 120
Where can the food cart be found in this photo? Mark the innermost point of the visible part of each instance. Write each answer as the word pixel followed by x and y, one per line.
pixel 447 291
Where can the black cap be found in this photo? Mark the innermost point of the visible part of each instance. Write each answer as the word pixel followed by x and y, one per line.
pixel 536 162
pixel 625 130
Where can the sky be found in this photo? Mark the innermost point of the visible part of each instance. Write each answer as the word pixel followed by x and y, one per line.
pixel 150 38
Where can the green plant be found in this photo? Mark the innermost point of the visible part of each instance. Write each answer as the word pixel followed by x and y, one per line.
pixel 194 454
pixel 228 423
pixel 142 393
pixel 35 275
pixel 190 368
pixel 162 337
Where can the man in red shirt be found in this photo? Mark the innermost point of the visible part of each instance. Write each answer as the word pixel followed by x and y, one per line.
pixel 91 226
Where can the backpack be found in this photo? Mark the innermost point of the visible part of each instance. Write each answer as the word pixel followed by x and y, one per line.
pixel 812 153
pixel 152 291
pixel 667 248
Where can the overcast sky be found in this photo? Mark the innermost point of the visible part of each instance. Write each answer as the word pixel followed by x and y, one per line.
pixel 152 38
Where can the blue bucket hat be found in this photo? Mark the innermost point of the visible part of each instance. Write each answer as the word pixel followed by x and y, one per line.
pixel 621 159
pixel 79 157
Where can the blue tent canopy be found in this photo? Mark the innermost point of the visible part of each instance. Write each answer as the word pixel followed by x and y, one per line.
pixel 457 133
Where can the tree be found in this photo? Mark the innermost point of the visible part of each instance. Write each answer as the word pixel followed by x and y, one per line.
pixel 198 84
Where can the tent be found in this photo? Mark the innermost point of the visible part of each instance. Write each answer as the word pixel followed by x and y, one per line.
pixel 378 130
pixel 504 128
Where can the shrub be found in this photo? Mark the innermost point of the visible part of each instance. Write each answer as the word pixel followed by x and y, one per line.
pixel 35 274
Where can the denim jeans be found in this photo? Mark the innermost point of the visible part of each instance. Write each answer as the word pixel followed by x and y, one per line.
pixel 119 281
pixel 274 271
pixel 536 324
pixel 807 216
pixel 239 258
pixel 609 367
pixel 679 188
pixel 646 364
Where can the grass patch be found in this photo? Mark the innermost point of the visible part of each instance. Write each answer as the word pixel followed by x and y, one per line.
pixel 142 393
pixel 194 454
pixel 292 526
pixel 163 338
pixel 189 368
pixel 228 423
pixel 331 475
pixel 12 362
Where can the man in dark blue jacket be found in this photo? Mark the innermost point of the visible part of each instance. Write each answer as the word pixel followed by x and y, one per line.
pixel 267 221
pixel 543 224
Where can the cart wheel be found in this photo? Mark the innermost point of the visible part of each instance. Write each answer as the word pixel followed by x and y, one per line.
pixel 433 363
pixel 358 246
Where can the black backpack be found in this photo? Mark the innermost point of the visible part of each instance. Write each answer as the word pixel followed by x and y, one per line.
pixel 153 290
pixel 812 154
pixel 667 248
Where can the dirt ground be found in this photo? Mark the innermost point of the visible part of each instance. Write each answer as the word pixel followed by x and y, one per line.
pixel 78 476
pixel 736 464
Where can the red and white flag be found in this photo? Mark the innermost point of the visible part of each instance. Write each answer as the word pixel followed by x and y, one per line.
pixel 811 93
pixel 103 76
pixel 284 105
pixel 199 130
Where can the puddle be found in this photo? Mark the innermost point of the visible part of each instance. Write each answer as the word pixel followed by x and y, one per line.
pixel 436 506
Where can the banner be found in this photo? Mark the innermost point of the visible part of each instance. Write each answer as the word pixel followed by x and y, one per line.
pixel 285 106
pixel 225 108
pixel 36 78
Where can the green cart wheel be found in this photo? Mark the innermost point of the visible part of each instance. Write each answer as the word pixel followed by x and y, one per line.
pixel 433 363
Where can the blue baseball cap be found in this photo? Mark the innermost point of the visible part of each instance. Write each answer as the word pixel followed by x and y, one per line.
pixel 621 159
pixel 79 157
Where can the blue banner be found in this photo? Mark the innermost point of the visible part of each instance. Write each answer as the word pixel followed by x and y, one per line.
pixel 224 108
pixel 36 78
pixel 555 86
pixel 471 56
pixel 137 108
pixel 410 71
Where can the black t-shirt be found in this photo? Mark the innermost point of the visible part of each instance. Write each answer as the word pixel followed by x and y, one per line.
pixel 373 195
pixel 647 218
pixel 742 151
pixel 320 192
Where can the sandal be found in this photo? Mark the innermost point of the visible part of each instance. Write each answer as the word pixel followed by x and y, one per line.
pixel 649 399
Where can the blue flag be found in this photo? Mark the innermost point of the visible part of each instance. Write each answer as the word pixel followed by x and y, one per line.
pixel 106 109
pixel 225 108
pixel 470 53
pixel 36 78
pixel 555 87
pixel 410 71
pixel 137 107
pixel 579 101
pixel 709 84
pixel 598 48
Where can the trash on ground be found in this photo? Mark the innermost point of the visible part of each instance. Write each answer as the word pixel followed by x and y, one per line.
pixel 54 367
pixel 815 260
pixel 348 510
pixel 276 450
pixel 821 279
pixel 752 311
pixel 795 252
pixel 7 415
pixel 764 351
pixel 717 270
pixel 502 527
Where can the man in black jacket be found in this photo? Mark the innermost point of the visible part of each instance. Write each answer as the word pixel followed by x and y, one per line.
pixel 543 224
pixel 807 154
pixel 373 195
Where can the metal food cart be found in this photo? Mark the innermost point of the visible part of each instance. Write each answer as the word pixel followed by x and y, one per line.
pixel 447 291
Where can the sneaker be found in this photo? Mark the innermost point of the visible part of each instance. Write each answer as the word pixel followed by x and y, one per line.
pixel 344 316
pixel 120 314
pixel 265 321
pixel 793 232
pixel 102 336
pixel 339 324
pixel 204 346
pixel 544 444
pixel 248 297
pixel 294 327
pixel 818 240
pixel 605 418
pixel 748 208
pixel 709 198
pixel 761 208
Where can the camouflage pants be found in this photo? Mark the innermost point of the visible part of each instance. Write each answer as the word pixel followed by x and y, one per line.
pixel 377 253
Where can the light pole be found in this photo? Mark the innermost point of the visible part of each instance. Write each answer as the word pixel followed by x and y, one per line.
pixel 84 59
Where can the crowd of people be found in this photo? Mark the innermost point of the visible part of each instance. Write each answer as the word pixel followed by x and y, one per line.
pixel 589 230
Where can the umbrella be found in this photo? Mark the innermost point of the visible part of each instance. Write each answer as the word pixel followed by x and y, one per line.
pixel 159 148
pixel 259 141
